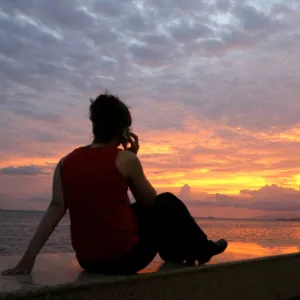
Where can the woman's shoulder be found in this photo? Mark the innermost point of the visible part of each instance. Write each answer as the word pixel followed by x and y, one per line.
pixel 126 156
pixel 125 162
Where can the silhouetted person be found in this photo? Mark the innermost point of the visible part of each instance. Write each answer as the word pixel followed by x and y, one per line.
pixel 109 235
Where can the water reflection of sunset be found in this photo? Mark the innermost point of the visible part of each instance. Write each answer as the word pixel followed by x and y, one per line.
pixel 235 251
pixel 257 250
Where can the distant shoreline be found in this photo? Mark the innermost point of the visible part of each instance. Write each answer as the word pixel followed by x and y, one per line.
pixel 21 210
pixel 198 218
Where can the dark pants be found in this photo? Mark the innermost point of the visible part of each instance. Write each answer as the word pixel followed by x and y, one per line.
pixel 167 228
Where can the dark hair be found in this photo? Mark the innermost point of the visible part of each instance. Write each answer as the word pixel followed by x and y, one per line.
pixel 109 115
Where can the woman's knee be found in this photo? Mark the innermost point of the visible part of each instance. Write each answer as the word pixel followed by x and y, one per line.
pixel 166 195
pixel 167 199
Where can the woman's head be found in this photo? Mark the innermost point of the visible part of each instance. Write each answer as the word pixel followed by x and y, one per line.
pixel 110 118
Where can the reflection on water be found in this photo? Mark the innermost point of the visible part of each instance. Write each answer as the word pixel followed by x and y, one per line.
pixel 247 239
pixel 55 268
pixel 257 249
pixel 240 250
pixel 237 251
pixel 251 231
pixel 250 238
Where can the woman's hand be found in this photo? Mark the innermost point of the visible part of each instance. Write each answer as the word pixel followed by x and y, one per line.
pixel 133 141
pixel 24 267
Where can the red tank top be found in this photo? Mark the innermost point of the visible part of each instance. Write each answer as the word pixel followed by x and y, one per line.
pixel 103 225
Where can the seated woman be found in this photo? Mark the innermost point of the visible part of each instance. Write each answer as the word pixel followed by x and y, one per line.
pixel 109 235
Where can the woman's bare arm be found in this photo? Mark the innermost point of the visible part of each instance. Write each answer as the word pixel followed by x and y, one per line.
pixel 53 215
pixel 130 166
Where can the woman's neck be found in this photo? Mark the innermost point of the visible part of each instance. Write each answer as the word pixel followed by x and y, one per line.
pixel 111 143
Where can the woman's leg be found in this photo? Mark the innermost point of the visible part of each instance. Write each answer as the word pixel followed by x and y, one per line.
pixel 169 229
pixel 179 236
pixel 132 262
pixel 138 257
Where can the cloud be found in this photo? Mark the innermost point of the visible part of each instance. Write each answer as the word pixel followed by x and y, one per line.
pixel 223 5
pixel 185 192
pixel 253 20
pixel 184 31
pixel 213 86
pixel 23 170
pixel 267 198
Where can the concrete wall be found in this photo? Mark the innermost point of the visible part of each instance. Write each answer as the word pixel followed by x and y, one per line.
pixel 271 278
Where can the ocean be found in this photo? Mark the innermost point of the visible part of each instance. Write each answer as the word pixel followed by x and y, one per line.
pixel 17 228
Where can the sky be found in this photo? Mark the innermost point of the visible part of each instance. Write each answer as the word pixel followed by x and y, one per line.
pixel 213 88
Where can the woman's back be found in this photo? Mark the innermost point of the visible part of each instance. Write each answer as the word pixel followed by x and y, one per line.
pixel 103 225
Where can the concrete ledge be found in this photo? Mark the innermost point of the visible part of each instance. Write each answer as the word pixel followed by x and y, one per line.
pixel 276 277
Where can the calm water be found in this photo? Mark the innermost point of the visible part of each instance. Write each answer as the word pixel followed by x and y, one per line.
pixel 16 229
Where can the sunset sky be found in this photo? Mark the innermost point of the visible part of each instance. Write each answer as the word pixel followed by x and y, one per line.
pixel 213 87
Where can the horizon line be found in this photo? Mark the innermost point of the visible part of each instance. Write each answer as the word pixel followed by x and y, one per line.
pixel 195 217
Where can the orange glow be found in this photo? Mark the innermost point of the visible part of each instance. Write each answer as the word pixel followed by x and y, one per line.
pixel 156 148
pixel 200 158
pixel 235 251
pixel 296 180
pixel 230 185
pixel 256 250
pixel 26 161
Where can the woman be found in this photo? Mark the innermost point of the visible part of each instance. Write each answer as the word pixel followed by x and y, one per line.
pixel 109 235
